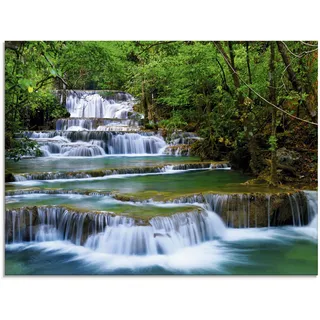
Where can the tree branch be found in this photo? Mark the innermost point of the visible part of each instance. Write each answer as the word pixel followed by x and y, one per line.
pixel 261 97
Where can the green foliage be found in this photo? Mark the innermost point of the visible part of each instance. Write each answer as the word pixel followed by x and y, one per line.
pixel 181 85
pixel 93 64
pixel 23 147
pixel 273 143
pixel 174 123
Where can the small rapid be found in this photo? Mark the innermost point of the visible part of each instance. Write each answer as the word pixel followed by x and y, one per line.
pixel 196 242
pixel 97 143
pixel 112 234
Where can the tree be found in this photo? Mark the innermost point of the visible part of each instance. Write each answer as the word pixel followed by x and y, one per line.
pixel 272 98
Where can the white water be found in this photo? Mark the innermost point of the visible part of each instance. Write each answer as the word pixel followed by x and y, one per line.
pixel 311 230
pixel 96 124
pixel 182 243
pixel 93 144
pixel 122 234
pixel 166 235
pixel 208 257
pixel 116 234
pixel 82 104
pixel 92 117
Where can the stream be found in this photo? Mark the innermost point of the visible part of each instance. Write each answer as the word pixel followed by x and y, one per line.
pixel 106 198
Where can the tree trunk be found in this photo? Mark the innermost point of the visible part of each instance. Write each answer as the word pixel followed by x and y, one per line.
pixel 248 66
pixel 272 98
pixel 294 81
pixel 231 66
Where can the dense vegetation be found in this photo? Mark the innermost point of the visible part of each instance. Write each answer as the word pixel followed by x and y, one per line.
pixel 254 103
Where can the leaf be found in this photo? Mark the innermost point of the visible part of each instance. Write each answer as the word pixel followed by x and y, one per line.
pixel 30 89
pixel 24 83
pixel 53 72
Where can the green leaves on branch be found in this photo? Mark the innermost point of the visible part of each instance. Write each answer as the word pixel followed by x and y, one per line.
pixel 174 123
pixel 273 143
pixel 23 147
pixel 26 84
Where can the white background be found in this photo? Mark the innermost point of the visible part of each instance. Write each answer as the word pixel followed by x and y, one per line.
pixel 178 297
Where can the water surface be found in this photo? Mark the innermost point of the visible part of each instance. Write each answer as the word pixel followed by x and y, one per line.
pixel 274 251
pixel 158 186
pixel 51 164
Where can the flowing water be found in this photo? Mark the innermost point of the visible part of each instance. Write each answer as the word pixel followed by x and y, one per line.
pixel 105 199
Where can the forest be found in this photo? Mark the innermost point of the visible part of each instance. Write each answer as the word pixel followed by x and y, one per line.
pixel 252 103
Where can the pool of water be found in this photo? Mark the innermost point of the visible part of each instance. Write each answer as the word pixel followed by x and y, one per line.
pixel 282 250
pixel 274 251
pixel 159 186
pixel 51 164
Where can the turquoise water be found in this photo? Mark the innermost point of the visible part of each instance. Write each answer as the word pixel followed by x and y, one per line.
pixel 156 186
pixel 50 164
pixel 288 250
pixel 281 251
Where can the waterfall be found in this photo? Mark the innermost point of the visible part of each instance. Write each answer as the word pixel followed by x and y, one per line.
pixel 18 177
pixel 74 124
pixel 97 143
pixel 135 143
pixel 296 209
pixel 55 223
pixel 96 124
pixel 102 125
pixel 88 104
pixel 104 232
pixel 258 210
pixel 164 235
pixel 269 208
pixel 312 206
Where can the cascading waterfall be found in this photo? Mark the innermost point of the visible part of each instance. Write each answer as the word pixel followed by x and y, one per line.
pixel 165 235
pixel 98 126
pixel 97 143
pixel 101 126
pixel 19 177
pixel 269 208
pixel 104 232
pixel 56 223
pixel 88 104
pixel 74 124
pixel 135 143
pixel 242 210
